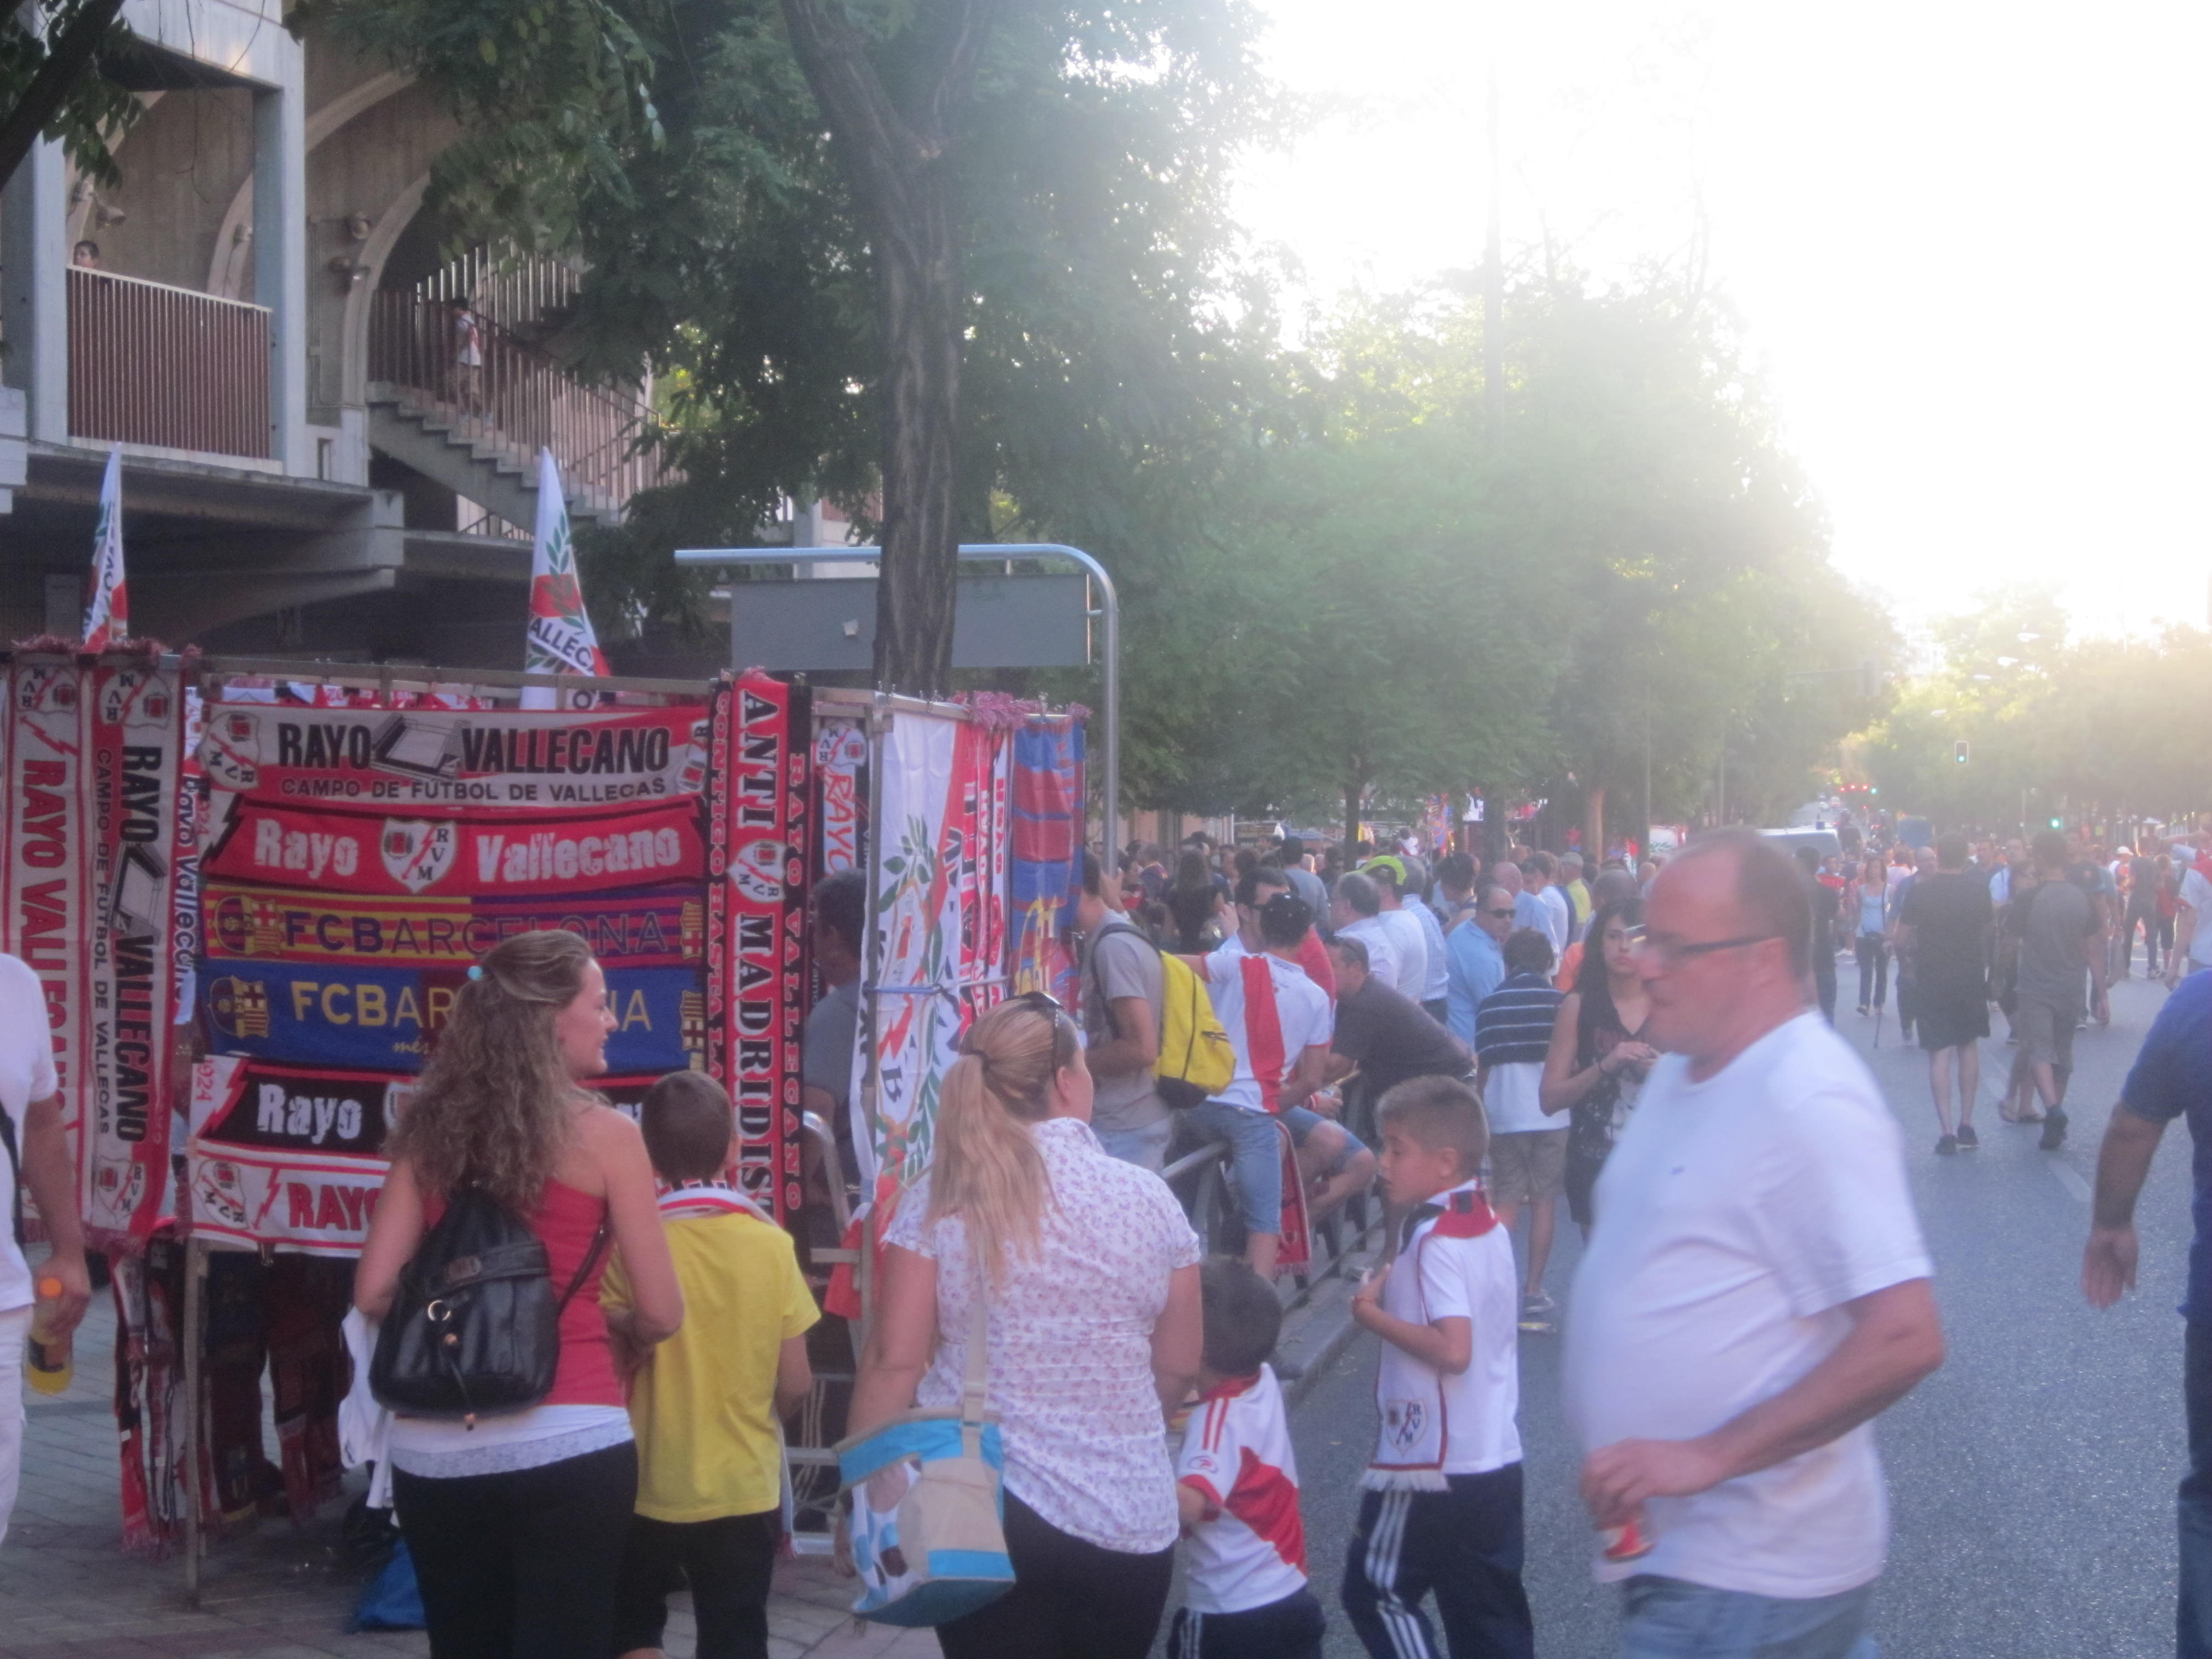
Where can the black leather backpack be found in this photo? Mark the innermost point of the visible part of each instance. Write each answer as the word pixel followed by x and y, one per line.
pixel 474 1329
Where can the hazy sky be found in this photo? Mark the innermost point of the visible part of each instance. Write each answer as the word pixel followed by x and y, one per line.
pixel 1968 242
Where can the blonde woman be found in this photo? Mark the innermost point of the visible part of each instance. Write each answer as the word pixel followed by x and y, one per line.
pixel 517 1525
pixel 1091 1275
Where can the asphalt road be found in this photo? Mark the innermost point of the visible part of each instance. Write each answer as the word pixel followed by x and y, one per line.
pixel 2031 1478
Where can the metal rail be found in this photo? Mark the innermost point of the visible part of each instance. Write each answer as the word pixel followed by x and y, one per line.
pixel 1109 614
pixel 153 364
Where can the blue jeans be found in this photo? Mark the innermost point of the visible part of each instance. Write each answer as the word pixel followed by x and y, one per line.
pixel 2193 1625
pixel 1255 1161
pixel 1668 1619
pixel 1147 1148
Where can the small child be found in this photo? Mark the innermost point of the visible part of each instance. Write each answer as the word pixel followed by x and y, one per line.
pixel 706 1404
pixel 1236 1481
pixel 1441 1505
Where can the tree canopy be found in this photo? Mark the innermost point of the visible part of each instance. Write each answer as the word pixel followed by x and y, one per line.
pixel 2102 729
pixel 1396 599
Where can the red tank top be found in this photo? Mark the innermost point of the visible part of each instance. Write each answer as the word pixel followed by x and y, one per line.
pixel 566 1221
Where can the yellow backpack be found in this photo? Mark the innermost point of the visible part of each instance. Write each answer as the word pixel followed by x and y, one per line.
pixel 1195 1062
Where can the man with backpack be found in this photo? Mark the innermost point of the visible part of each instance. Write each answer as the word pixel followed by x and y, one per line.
pixel 1122 998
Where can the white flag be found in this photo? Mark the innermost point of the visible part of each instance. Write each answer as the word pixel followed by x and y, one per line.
pixel 108 620
pixel 559 640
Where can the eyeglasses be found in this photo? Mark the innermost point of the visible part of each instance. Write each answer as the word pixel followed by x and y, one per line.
pixel 1043 1001
pixel 1669 953
pixel 1504 913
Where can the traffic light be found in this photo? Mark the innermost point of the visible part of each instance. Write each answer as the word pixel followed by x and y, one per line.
pixel 2057 823
pixel 1958 751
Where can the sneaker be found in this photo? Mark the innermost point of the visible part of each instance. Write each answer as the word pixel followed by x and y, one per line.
pixel 1538 1306
pixel 1537 1326
pixel 1947 1145
pixel 2054 1131
pixel 1968 1140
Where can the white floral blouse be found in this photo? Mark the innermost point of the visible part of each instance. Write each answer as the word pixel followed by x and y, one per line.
pixel 1071 1367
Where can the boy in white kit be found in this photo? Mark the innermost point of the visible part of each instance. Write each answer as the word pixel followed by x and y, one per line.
pixel 1442 1508
pixel 1245 1595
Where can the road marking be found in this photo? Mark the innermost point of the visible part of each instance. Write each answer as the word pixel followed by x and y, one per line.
pixel 2070 1179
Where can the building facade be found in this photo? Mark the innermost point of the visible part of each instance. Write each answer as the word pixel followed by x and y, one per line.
pixel 329 425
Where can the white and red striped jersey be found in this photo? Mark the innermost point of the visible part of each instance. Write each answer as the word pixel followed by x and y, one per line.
pixel 1251 1549
pixel 1274 1013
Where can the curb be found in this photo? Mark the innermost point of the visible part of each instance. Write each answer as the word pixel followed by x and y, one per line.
pixel 1324 1327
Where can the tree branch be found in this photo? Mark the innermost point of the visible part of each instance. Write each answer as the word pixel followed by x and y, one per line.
pixel 66 59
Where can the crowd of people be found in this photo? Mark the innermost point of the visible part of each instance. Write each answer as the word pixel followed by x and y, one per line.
pixel 1452 1046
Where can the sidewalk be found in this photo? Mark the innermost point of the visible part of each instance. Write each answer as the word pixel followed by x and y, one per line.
pixel 269 1591
pixel 274 1591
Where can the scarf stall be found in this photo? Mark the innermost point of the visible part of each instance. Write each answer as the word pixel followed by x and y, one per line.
pixel 252 890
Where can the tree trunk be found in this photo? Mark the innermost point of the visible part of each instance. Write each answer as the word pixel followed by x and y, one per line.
pixel 1355 800
pixel 895 158
pixel 1594 830
pixel 918 290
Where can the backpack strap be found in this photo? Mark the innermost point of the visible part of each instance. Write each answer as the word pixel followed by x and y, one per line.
pixel 1105 1004
pixel 592 1255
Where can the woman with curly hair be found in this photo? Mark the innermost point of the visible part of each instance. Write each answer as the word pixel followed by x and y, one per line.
pixel 516 1523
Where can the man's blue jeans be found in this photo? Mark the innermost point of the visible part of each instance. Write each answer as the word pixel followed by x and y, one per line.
pixel 2193 1627
pixel 1668 1619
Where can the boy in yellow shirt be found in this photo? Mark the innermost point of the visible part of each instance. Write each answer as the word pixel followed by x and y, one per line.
pixel 706 1403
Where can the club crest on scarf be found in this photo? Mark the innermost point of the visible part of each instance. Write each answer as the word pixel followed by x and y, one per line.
pixel 418 852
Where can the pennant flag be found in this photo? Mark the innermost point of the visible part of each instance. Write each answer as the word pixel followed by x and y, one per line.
pixel 559 640
pixel 108 622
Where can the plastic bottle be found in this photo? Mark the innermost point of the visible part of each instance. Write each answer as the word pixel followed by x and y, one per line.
pixel 48 1357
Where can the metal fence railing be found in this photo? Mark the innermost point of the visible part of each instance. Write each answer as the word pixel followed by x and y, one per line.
pixel 478 379
pixel 153 364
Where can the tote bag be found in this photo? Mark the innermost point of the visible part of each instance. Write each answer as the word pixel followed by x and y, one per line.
pixel 928 1531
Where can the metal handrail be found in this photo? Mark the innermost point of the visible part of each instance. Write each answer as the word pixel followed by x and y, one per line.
pixel 516 399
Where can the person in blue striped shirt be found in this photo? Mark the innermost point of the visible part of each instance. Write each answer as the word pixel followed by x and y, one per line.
pixel 1527 1149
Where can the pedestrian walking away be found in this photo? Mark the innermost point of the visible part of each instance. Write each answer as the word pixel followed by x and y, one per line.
pixel 2054 927
pixel 1756 1295
pixel 1089 1274
pixel 1943 928
pixel 518 1523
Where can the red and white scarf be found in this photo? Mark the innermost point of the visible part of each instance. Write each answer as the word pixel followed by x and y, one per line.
pixel 686 1199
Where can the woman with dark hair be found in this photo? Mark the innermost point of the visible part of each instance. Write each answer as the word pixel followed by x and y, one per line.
pixel 1089 1275
pixel 517 1522
pixel 1194 905
pixel 1598 1059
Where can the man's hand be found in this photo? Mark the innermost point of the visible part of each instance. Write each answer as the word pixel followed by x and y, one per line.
pixel 1619 1477
pixel 2108 1264
pixel 76 1287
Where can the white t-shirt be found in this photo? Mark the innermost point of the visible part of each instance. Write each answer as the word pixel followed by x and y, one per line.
pixel 1563 919
pixel 26 1073
pixel 1738 1216
pixel 1436 986
pixel 1409 945
pixel 2197 894
pixel 1382 946
pixel 1268 1036
pixel 1512 1101
pixel 1457 1265
pixel 1251 1549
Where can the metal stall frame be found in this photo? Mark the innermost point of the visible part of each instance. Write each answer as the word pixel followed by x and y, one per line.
pixel 384 678
pixel 1109 614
